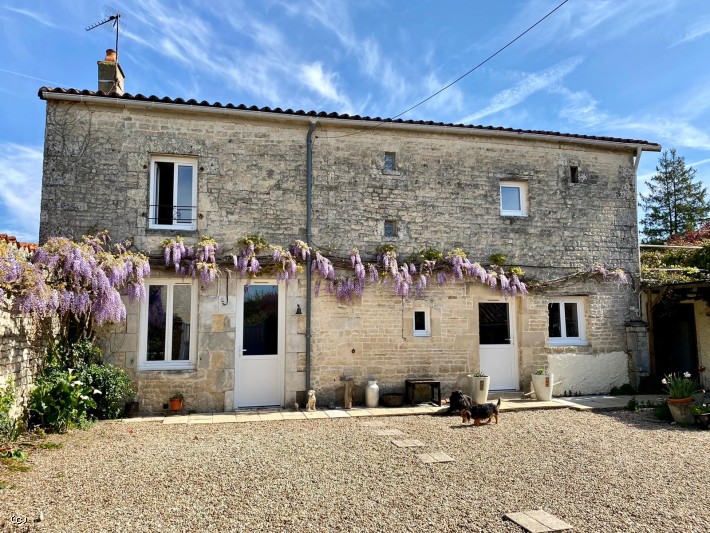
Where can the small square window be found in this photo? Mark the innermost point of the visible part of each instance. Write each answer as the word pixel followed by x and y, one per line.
pixel 513 198
pixel 566 321
pixel 421 324
pixel 389 162
pixel 390 228
pixel 574 174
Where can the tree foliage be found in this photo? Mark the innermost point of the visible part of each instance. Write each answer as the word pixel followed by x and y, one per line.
pixel 675 202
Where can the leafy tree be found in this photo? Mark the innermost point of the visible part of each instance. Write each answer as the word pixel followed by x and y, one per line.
pixel 675 202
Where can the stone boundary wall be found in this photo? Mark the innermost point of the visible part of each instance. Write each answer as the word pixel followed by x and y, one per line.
pixel 20 356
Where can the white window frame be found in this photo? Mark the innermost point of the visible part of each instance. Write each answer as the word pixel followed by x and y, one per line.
pixel 190 363
pixel 522 187
pixel 152 207
pixel 427 324
pixel 581 340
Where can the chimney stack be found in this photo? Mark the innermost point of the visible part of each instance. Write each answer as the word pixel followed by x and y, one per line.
pixel 110 74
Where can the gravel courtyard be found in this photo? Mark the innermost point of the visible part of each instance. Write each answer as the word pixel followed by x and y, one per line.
pixel 617 471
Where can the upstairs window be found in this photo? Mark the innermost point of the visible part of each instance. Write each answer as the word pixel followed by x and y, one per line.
pixel 566 321
pixel 390 165
pixel 513 198
pixel 173 193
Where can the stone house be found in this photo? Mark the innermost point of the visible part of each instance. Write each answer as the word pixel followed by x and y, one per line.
pixel 150 168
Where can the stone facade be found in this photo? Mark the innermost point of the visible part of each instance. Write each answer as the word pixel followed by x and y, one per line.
pixel 444 193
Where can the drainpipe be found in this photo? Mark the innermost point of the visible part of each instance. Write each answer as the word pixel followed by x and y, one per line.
pixel 309 196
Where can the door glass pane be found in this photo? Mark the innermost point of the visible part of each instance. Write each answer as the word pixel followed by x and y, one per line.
pixel 182 299
pixel 555 324
pixel 510 198
pixel 493 326
pixel 571 321
pixel 157 301
pixel 164 179
pixel 261 320
pixel 184 195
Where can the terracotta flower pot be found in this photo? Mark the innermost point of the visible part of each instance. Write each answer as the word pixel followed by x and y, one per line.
pixel 175 404
pixel 680 409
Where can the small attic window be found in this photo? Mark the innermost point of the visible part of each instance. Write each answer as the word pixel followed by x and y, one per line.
pixel 389 165
pixel 390 228
pixel 574 174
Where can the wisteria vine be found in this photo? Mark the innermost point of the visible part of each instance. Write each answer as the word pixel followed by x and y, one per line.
pixel 79 281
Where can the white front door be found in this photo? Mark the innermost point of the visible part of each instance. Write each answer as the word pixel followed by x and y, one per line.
pixel 260 345
pixel 497 344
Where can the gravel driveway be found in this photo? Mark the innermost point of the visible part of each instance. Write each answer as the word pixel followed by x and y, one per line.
pixel 617 471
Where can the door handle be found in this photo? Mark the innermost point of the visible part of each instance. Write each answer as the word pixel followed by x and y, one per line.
pixel 244 350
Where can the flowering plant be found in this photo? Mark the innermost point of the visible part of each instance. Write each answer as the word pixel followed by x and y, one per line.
pixel 679 387
pixel 542 371
pixel 479 374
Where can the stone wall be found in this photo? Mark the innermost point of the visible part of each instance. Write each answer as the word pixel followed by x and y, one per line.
pixel 444 194
pixel 20 356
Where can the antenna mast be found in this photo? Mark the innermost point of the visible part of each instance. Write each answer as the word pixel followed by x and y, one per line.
pixel 115 20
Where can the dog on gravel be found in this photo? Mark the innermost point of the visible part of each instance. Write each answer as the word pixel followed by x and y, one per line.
pixel 311 405
pixel 458 401
pixel 480 413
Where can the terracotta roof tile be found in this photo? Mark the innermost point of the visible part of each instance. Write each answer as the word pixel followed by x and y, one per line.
pixel 324 114
pixel 25 246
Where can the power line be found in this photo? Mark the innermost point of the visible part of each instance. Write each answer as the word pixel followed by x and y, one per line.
pixel 460 77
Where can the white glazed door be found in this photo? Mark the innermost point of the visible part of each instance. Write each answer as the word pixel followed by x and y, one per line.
pixel 497 345
pixel 260 345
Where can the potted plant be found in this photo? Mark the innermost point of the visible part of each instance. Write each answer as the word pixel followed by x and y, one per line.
pixel 479 383
pixel 680 395
pixel 542 382
pixel 176 402
pixel 701 413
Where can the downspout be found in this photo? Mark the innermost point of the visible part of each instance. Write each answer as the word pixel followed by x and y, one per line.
pixel 309 197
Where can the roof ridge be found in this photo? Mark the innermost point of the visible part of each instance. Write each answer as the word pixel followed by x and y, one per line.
pixel 344 116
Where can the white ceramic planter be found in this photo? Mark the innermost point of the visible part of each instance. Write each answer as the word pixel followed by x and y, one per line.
pixel 372 393
pixel 542 385
pixel 479 388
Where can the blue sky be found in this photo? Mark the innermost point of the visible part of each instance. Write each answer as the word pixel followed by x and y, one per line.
pixel 601 67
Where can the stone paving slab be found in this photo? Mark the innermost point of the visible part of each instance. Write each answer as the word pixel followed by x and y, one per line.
pixel 358 412
pixel 270 415
pixel 408 443
pixel 538 521
pixel 434 457
pixel 294 415
pixel 390 432
pixel 315 414
pixel 251 417
pixel 179 419
pixel 335 413
pixel 224 418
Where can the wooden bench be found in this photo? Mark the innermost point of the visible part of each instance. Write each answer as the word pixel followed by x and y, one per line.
pixel 411 384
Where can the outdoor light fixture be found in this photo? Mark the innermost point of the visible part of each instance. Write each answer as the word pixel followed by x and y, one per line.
pixel 298 309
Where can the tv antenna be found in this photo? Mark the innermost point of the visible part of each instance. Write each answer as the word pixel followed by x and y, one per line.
pixel 112 19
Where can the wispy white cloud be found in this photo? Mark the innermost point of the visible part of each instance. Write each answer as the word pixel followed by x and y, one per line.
pixel 37 17
pixel 649 175
pixel 593 21
pixel 696 31
pixel 20 190
pixel 526 87
pixel 324 83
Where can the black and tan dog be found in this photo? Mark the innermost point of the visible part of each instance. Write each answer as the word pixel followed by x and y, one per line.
pixel 457 402
pixel 480 413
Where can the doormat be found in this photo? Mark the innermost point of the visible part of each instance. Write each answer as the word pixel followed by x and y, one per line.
pixel 538 521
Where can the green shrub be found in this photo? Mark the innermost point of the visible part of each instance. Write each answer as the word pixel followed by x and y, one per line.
pixel 60 400
pixel 663 412
pixel 115 387
pixel 10 427
pixel 625 390
pixel 83 352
